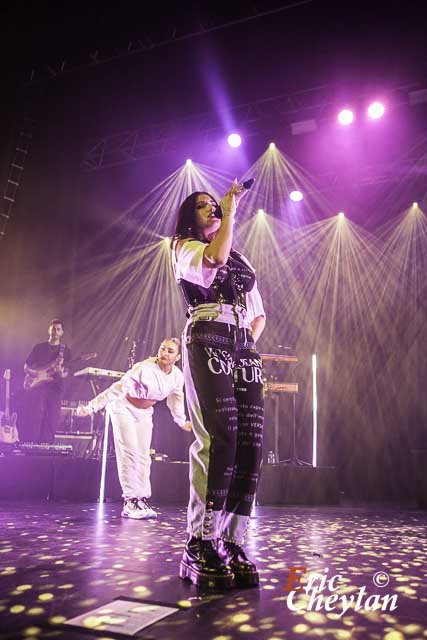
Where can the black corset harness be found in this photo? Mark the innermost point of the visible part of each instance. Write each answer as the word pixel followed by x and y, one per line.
pixel 230 286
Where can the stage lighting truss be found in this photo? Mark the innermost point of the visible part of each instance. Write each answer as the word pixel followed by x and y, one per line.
pixel 300 113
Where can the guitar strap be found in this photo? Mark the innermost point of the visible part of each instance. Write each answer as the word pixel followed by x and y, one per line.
pixel 61 351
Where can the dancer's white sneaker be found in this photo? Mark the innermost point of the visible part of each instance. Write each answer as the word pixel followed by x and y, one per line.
pixel 137 509
pixel 149 512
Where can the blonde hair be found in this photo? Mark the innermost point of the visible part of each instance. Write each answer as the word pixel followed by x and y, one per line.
pixel 177 341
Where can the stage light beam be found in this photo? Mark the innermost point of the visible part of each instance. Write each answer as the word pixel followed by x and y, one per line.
pixel 345 117
pixel 189 162
pixel 234 140
pixel 341 215
pixel 272 146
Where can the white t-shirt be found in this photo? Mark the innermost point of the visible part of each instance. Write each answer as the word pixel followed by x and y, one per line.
pixel 146 380
pixel 189 266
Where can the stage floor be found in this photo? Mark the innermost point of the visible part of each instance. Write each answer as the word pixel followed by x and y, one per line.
pixel 58 561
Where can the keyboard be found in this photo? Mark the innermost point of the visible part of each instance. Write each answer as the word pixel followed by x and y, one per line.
pixel 45 449
pixel 100 374
pixel 279 357
pixel 280 387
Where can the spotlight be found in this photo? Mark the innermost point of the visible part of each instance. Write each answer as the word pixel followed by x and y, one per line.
pixel 166 240
pixel 234 140
pixel 345 117
pixel 189 162
pixel 271 146
pixel 415 205
pixel 296 196
pixel 261 212
pixel 341 215
pixel 376 110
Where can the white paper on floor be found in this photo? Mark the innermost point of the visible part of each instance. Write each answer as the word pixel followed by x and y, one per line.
pixel 123 616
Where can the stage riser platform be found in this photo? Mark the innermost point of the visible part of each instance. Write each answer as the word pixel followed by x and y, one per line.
pixel 76 479
pixel 34 477
pixel 298 485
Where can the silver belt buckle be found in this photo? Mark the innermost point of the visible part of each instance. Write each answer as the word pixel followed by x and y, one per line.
pixel 207 315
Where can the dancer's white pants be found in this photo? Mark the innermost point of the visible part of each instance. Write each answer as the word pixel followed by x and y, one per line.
pixel 132 429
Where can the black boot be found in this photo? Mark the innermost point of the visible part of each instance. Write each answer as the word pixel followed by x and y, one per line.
pixel 245 571
pixel 203 566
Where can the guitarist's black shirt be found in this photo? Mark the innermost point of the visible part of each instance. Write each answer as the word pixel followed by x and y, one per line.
pixel 44 354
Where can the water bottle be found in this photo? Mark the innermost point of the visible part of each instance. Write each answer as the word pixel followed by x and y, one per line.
pixel 271 458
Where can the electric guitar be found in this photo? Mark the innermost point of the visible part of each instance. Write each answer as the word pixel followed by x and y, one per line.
pixel 8 430
pixel 52 371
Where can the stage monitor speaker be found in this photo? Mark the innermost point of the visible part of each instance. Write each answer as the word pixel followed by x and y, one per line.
pixel 69 423
pixel 79 442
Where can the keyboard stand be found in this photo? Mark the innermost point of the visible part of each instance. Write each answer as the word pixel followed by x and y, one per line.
pixel 94 448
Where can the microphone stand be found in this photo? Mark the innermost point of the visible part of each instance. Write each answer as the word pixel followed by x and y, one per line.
pixel 293 460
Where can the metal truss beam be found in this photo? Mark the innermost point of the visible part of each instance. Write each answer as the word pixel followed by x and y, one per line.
pixel 281 111
pixel 157 139
pixel 206 25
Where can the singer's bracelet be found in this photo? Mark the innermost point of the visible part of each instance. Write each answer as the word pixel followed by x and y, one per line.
pixel 228 215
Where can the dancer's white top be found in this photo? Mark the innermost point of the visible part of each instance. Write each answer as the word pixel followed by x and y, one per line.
pixel 147 381
pixel 189 266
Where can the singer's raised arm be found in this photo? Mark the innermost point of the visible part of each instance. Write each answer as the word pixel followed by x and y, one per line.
pixel 218 250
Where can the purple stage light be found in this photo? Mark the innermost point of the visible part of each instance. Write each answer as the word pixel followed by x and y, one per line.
pixel 296 196
pixel 376 110
pixel 345 117
pixel 234 140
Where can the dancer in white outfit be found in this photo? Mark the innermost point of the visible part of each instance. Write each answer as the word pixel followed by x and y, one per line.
pixel 131 401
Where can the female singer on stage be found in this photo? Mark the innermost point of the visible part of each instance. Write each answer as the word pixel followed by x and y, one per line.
pixel 224 389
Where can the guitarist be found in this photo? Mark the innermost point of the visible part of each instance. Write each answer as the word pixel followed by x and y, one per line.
pixel 43 402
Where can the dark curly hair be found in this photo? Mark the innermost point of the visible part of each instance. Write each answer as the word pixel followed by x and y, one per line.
pixel 186 225
pixel 56 321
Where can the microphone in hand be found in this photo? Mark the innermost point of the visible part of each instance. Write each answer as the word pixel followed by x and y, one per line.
pixel 245 186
